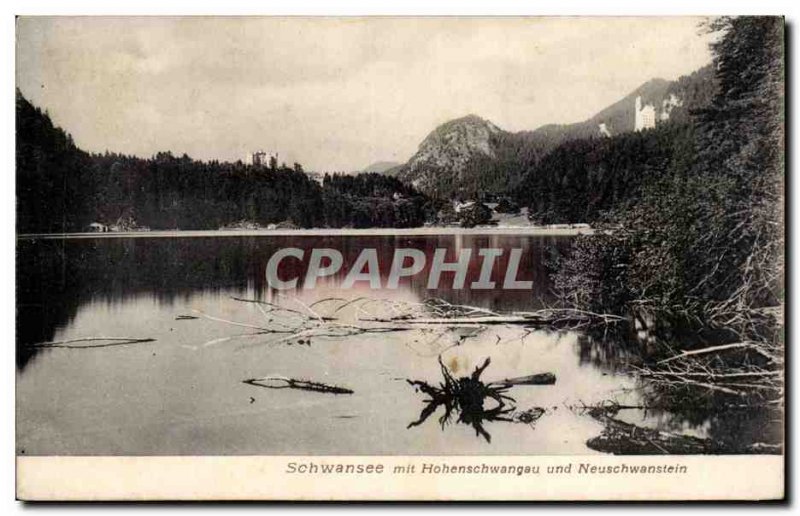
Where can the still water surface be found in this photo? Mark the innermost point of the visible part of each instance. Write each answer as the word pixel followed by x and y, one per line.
pixel 183 393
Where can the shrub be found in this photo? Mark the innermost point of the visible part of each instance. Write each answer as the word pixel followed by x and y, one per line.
pixel 474 214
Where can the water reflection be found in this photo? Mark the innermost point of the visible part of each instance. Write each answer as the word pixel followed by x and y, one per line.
pixel 727 423
pixel 56 277
pixel 611 348
pixel 467 398
pixel 183 394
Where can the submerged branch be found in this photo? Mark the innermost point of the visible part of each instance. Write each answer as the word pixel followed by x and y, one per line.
pixel 533 379
pixel 282 382
pixel 243 325
pixel 716 349
pixel 434 314
pixel 267 303
pixel 107 342
pixel 546 317
pixel 712 375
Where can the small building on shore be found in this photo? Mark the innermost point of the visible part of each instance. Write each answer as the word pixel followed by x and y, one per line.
pixel 97 227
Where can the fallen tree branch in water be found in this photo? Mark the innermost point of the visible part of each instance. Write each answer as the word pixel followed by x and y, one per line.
pixel 753 378
pixel 716 349
pixel 533 379
pixel 243 325
pixel 282 382
pixel 274 307
pixel 466 321
pixel 436 315
pixel 74 343
pixel 711 374
pixel 224 339
pixel 571 319
pixel 465 397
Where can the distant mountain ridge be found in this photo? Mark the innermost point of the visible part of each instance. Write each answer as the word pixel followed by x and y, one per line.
pixel 471 156
pixel 380 167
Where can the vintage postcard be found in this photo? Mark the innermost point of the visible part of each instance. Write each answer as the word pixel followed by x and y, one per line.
pixel 400 258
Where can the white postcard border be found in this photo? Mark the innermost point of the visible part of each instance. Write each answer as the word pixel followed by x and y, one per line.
pixel 440 478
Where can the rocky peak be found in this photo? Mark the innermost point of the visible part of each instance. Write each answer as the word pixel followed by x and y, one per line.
pixel 454 143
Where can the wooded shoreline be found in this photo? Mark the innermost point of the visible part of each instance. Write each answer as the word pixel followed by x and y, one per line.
pixel 522 231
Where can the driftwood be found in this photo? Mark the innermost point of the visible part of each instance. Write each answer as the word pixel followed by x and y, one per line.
pixel 466 397
pixel 94 342
pixel 752 379
pixel 713 375
pixel 432 318
pixel 277 308
pixel 716 349
pixel 545 317
pixel 453 321
pixel 530 416
pixel 534 379
pixel 281 382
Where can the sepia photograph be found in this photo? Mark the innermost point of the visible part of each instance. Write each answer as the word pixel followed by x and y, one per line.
pixel 400 249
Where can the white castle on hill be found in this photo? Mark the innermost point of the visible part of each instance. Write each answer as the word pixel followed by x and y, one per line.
pixel 645 116
pixel 260 158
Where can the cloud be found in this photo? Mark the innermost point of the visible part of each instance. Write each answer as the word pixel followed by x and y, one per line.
pixel 332 93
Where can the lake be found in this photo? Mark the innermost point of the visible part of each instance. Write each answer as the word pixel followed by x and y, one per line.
pixel 183 393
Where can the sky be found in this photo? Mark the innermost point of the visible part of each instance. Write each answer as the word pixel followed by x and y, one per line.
pixel 334 94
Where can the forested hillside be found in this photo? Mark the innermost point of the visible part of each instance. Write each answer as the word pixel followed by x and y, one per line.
pixel 583 180
pixel 702 245
pixel 372 200
pixel 705 230
pixel 563 173
pixel 471 158
pixel 63 189
pixel 55 187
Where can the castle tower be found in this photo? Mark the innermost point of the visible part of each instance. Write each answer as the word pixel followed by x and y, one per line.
pixel 644 117
pixel 260 158
pixel 637 117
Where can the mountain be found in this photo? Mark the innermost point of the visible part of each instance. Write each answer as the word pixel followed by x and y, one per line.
pixel 470 157
pixel 449 150
pixel 380 167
